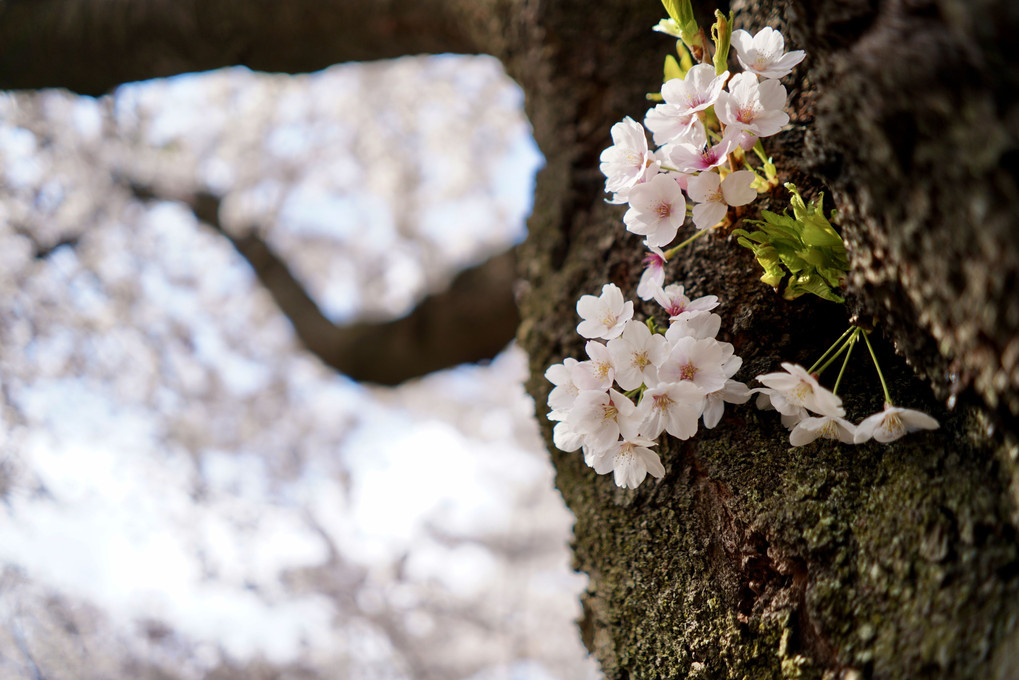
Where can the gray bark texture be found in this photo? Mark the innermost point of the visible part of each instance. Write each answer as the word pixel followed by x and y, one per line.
pixel 751 559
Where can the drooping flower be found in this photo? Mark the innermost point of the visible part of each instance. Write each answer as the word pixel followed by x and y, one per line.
pixel 796 389
pixel 636 354
pixel 657 210
pixel 654 273
pixel 605 315
pixel 628 161
pixel 756 108
pixel 829 427
pixel 893 422
pixel 714 195
pixel 673 407
pixel 630 461
pixel 764 53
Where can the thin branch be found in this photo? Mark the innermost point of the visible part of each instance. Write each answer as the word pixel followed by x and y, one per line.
pixel 473 320
pixel 91 46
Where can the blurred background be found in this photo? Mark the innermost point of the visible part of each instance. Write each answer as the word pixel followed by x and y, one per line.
pixel 186 491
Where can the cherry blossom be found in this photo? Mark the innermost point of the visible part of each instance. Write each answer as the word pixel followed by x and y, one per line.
pixel 734 392
pixel 597 373
pixel 628 161
pixel 829 427
pixel 699 361
pixel 696 91
pixel 893 422
pixel 673 407
pixel 657 210
pixel 600 417
pixel 668 126
pixel 687 157
pixel 636 355
pixel 751 106
pixel 565 392
pixel 673 299
pixel 796 389
pixel 695 324
pixel 654 273
pixel 714 195
pixel 630 461
pixel 605 315
pixel 764 53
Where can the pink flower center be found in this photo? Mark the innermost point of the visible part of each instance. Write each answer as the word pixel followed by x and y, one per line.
pixel 687 371
pixel 662 402
pixel 664 210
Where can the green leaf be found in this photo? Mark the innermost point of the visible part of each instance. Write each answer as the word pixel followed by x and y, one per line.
pixel 681 11
pixel 721 34
pixel 672 68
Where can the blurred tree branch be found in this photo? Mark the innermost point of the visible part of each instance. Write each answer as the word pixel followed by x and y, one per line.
pixel 473 319
pixel 91 46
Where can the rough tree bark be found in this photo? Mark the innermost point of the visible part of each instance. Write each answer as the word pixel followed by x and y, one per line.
pixel 751 559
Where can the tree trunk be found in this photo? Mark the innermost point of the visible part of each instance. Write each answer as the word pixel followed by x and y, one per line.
pixel 751 559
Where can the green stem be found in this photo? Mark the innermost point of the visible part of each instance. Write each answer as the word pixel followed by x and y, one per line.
pixel 830 349
pixel 852 343
pixel 759 150
pixel 884 385
pixel 833 357
pixel 668 169
pixel 671 252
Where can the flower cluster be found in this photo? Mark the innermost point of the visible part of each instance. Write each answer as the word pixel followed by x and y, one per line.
pixel 702 128
pixel 640 380
pixel 667 382
pixel 811 411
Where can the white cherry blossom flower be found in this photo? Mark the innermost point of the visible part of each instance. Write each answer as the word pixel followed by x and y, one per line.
pixel 714 195
pixel 605 315
pixel 654 273
pixel 796 389
pixel 671 407
pixel 756 108
pixel 673 300
pixel 669 126
pixel 628 161
pixel 630 461
pixel 597 373
pixel 829 427
pixel 699 361
pixel 696 91
pixel 734 392
pixel 764 53
pixel 565 438
pixel 695 324
pixel 657 210
pixel 893 422
pixel 687 157
pixel 636 355
pixel 565 392
pixel 600 417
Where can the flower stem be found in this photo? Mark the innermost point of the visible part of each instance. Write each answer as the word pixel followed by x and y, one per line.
pixel 759 150
pixel 671 252
pixel 884 385
pixel 852 343
pixel 668 169
pixel 830 349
